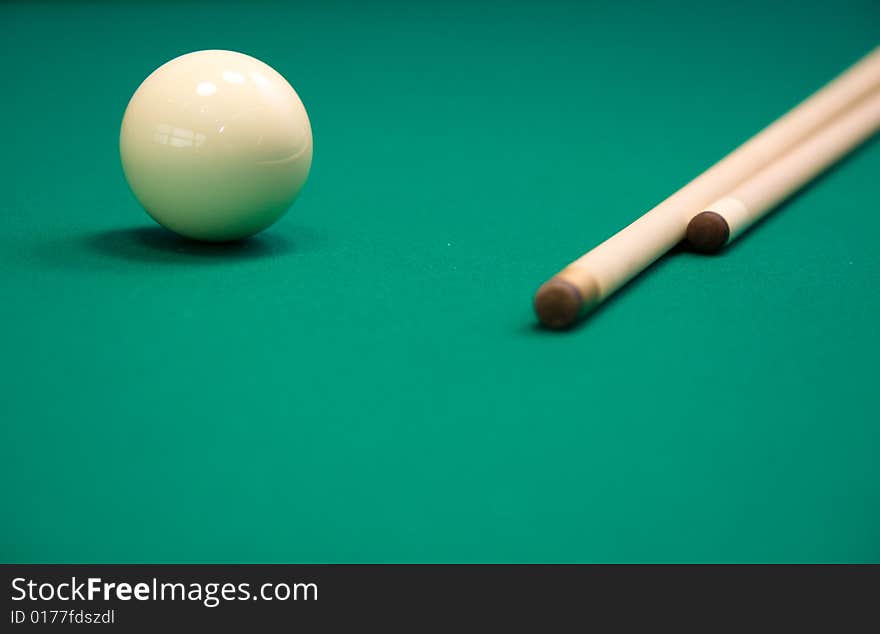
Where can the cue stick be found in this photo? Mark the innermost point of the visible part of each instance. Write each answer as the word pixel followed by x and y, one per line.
pixel 728 217
pixel 591 278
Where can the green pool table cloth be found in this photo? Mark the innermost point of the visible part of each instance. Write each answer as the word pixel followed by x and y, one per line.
pixel 365 381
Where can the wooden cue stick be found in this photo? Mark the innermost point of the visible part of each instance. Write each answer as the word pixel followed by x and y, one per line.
pixel 728 217
pixel 591 278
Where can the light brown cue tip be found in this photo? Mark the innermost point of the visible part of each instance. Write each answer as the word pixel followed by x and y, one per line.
pixel 558 304
pixel 707 232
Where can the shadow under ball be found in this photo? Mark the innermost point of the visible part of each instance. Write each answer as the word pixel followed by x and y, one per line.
pixel 215 145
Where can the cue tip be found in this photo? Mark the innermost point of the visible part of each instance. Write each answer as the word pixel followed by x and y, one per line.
pixel 558 304
pixel 707 232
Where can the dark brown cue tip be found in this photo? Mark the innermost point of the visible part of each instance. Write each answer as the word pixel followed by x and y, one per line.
pixel 707 232
pixel 558 304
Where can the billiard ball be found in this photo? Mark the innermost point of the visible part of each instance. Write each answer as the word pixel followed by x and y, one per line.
pixel 215 145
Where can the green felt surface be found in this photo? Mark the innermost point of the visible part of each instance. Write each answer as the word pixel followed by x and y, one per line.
pixel 365 381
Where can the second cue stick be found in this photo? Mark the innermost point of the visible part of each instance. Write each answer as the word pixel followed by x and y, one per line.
pixel 590 279
pixel 728 217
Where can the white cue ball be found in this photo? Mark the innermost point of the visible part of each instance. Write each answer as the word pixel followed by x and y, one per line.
pixel 215 145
